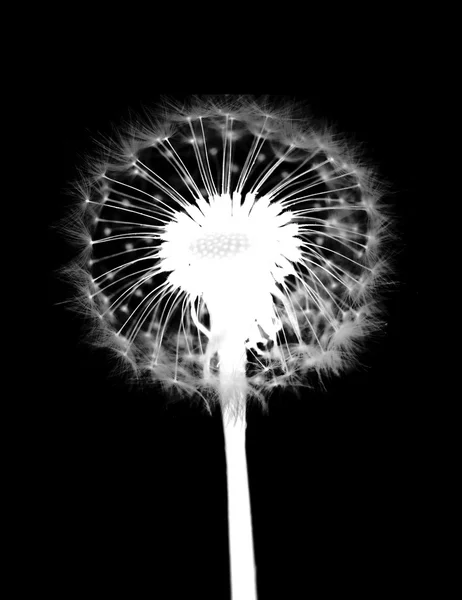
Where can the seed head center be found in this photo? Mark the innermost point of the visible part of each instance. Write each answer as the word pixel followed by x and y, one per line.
pixel 219 245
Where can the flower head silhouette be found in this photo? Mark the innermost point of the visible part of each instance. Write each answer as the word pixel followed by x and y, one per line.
pixel 229 247
pixel 229 239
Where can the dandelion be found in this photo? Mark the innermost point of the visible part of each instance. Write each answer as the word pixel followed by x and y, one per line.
pixel 229 248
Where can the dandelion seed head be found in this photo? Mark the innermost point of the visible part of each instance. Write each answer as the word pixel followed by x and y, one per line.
pixel 230 224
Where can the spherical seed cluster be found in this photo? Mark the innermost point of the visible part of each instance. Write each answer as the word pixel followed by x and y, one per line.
pixel 230 220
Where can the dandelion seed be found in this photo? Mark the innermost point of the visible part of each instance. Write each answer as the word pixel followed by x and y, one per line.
pixel 233 253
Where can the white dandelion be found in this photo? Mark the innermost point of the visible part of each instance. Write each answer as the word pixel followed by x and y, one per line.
pixel 230 248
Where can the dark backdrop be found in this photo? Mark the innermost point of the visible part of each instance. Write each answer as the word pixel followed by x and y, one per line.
pixel 134 486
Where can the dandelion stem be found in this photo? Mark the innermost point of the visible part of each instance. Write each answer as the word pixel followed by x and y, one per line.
pixel 242 562
pixel 239 514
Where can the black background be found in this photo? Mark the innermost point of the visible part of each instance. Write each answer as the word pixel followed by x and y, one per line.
pixel 134 487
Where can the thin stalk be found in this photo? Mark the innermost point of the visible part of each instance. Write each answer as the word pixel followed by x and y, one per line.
pixel 241 550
